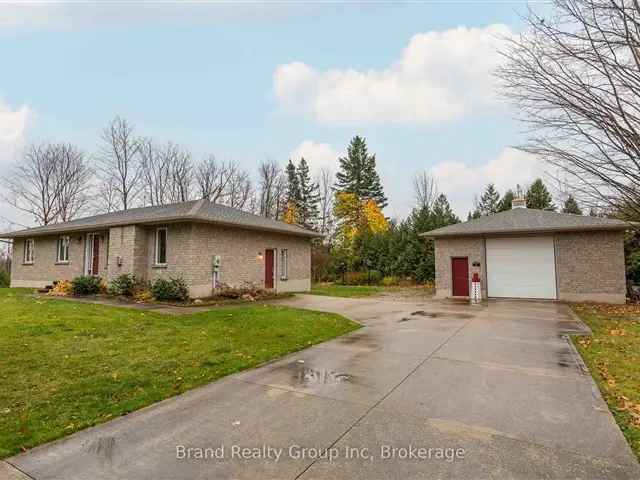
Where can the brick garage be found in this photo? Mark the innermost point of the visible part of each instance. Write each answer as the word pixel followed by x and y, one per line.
pixel 524 253
pixel 249 249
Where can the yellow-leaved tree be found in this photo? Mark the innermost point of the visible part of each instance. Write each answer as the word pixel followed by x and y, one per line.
pixel 291 214
pixel 356 216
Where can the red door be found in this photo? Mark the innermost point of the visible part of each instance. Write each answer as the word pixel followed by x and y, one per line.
pixel 96 256
pixel 460 275
pixel 268 268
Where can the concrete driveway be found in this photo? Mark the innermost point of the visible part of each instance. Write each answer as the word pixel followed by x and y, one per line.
pixel 425 390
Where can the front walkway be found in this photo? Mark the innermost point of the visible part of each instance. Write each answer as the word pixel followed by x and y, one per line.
pixel 486 392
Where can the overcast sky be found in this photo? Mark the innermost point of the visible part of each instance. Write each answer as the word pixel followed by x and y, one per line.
pixel 252 81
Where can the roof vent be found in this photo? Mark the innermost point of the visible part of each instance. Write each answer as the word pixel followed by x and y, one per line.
pixel 519 202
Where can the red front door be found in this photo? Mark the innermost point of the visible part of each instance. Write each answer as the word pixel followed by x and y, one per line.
pixel 268 268
pixel 460 275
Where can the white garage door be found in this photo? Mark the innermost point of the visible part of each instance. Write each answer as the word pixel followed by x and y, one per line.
pixel 521 267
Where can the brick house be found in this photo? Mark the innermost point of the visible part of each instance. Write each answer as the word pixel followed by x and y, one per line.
pixel 526 253
pixel 204 243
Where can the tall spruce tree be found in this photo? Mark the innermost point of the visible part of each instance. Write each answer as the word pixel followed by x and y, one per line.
pixel 441 214
pixel 506 201
pixel 293 184
pixel 571 206
pixel 358 173
pixel 538 197
pixel 309 196
pixel 489 200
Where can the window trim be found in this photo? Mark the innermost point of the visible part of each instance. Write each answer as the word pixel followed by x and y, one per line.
pixel 59 243
pixel 284 264
pixel 156 259
pixel 25 260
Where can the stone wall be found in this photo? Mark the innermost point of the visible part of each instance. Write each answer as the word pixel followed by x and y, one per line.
pixel 590 267
pixel 45 269
pixel 448 248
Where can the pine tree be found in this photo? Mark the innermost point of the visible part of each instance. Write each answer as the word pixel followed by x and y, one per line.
pixel 441 214
pixel 293 185
pixel 506 201
pixel 358 173
pixel 571 206
pixel 309 197
pixel 489 200
pixel 538 197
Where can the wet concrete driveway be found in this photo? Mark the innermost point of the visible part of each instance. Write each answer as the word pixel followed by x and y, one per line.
pixel 430 390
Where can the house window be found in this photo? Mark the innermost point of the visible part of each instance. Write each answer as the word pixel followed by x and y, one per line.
pixel 284 264
pixel 63 250
pixel 29 247
pixel 161 246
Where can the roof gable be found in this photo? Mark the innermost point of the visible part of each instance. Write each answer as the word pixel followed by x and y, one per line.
pixel 526 220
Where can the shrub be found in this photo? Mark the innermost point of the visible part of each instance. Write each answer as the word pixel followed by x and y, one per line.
pixel 248 291
pixel 373 277
pixel 86 285
pixel 5 279
pixel 389 281
pixel 173 289
pixel 633 267
pixel 124 285
pixel 61 288
pixel 143 296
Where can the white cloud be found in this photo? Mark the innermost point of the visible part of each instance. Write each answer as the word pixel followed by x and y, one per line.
pixel 441 76
pixel 317 155
pixel 14 124
pixel 461 182
pixel 13 129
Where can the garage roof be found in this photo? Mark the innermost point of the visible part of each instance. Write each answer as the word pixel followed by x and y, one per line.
pixel 528 220
pixel 194 211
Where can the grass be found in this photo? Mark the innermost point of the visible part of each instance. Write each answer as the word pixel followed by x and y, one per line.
pixel 66 366
pixel 613 356
pixel 349 291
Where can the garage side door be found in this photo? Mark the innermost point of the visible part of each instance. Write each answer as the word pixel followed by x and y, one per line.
pixel 521 267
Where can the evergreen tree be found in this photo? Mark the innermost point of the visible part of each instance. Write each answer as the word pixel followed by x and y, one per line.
pixel 506 201
pixel 571 206
pixel 358 173
pixel 538 197
pixel 293 185
pixel 309 196
pixel 489 200
pixel 441 214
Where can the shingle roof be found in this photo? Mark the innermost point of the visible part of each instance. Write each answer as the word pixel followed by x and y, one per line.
pixel 527 220
pixel 197 211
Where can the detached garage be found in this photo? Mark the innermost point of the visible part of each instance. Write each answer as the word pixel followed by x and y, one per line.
pixel 536 254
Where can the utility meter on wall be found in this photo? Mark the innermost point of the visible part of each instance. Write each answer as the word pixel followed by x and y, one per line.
pixel 216 262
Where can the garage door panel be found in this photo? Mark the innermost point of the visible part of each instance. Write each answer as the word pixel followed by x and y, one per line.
pixel 521 267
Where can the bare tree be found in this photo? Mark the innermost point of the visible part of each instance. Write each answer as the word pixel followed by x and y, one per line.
pixel 425 189
pixel 181 167
pixel 73 178
pixel 155 172
pixel 107 198
pixel 272 189
pixel 119 162
pixel 575 80
pixel 32 184
pixel 325 181
pixel 50 183
pixel 240 192
pixel 212 178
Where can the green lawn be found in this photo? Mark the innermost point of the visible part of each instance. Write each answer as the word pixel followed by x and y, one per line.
pixel 65 366
pixel 613 356
pixel 351 291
